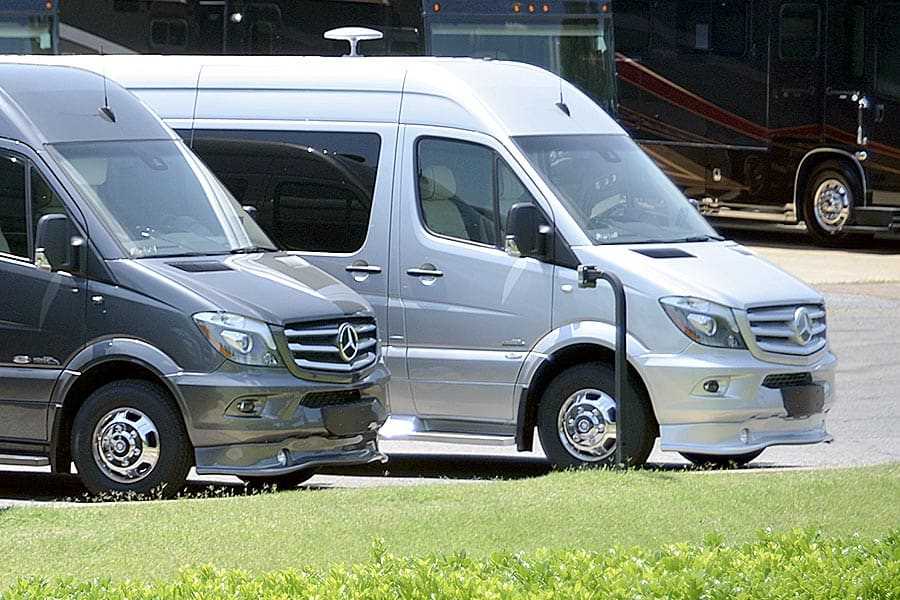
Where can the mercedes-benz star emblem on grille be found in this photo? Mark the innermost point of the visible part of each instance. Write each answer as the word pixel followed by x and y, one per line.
pixel 347 342
pixel 802 326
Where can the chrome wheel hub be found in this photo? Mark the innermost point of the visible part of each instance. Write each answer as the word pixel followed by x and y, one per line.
pixel 125 445
pixel 587 425
pixel 832 205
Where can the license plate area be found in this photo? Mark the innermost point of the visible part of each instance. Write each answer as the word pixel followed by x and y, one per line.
pixel 803 400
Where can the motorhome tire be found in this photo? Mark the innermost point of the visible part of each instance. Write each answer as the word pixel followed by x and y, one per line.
pixel 577 419
pixel 128 438
pixel 829 198
pixel 725 461
pixel 278 482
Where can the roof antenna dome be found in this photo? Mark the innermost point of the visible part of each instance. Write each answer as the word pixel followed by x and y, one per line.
pixel 353 35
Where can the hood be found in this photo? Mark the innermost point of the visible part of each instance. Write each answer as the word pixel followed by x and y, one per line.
pixel 723 272
pixel 275 287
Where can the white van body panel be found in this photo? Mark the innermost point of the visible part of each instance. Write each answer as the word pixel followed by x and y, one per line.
pixel 468 347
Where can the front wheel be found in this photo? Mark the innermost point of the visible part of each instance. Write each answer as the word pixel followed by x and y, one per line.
pixel 831 193
pixel 577 419
pixel 128 437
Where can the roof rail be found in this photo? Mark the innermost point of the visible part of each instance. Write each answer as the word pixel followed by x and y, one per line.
pixel 353 35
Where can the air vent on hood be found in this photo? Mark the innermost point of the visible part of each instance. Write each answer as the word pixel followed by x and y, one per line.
pixel 203 266
pixel 665 253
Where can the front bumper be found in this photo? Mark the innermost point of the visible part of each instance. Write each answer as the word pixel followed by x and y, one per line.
pixel 752 404
pixel 258 422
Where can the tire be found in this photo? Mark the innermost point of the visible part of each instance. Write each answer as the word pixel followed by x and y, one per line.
pixel 577 419
pixel 725 461
pixel 830 195
pixel 129 438
pixel 288 481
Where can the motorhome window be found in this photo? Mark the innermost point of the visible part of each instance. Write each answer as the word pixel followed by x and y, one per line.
pixel 729 25
pixel 799 31
pixel 13 200
pixel 632 25
pixel 157 199
pixel 888 53
pixel 457 189
pixel 693 25
pixel 27 34
pixel 613 189
pixel 168 34
pixel 572 47
pixel 319 185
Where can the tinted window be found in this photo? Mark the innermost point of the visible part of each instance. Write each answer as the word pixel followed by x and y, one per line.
pixel 13 228
pixel 889 52
pixel 799 29
pixel 314 190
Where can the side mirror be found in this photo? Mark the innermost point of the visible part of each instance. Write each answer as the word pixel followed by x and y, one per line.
pixel 56 248
pixel 526 231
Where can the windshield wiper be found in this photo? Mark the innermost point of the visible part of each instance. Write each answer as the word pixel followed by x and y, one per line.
pixel 253 250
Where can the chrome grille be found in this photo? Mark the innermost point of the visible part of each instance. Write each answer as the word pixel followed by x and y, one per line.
pixel 315 345
pixel 797 330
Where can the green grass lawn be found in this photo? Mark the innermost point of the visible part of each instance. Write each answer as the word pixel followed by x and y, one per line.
pixel 584 510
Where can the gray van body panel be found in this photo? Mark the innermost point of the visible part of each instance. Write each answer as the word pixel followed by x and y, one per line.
pixel 66 334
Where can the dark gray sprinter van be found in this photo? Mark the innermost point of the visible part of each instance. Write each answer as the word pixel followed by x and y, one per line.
pixel 147 325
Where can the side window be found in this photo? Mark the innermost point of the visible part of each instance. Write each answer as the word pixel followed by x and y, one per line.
pixel 465 190
pixel 314 189
pixel 888 67
pixel 13 218
pixel 799 31
pixel 21 185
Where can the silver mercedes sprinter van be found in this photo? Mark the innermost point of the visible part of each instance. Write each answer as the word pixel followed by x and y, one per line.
pixel 459 196
pixel 147 324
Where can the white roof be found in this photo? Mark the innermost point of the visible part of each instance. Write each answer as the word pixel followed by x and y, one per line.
pixel 484 95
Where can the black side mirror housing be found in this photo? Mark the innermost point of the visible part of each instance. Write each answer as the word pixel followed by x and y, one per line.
pixel 56 249
pixel 527 232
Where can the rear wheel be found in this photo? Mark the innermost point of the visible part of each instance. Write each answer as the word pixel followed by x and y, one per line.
pixel 830 195
pixel 723 461
pixel 128 437
pixel 577 419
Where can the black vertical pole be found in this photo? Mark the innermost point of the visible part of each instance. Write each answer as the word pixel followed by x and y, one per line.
pixel 587 277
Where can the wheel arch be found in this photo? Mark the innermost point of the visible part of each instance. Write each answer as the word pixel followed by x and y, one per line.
pixel 550 367
pixel 815 158
pixel 88 372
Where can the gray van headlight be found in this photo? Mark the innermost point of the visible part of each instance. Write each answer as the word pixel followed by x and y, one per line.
pixel 241 339
pixel 703 321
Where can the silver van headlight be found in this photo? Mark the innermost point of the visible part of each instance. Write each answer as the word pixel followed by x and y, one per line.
pixel 239 338
pixel 703 321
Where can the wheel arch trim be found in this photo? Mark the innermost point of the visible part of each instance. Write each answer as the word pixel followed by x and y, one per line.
pixel 817 156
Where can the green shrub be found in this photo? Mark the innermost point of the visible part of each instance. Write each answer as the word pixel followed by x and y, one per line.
pixel 801 564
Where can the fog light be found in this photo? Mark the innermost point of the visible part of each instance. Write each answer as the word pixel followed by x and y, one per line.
pixel 744 436
pixel 711 386
pixel 284 457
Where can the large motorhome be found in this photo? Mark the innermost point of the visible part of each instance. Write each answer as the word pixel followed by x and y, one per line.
pixel 460 196
pixel 773 113
pixel 147 324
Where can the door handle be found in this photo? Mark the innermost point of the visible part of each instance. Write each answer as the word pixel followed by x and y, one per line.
pixel 363 268
pixel 426 270
pixel 879 113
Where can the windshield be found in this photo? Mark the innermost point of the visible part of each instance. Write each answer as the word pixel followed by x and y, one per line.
pixel 613 190
pixel 577 49
pixel 158 199
pixel 27 34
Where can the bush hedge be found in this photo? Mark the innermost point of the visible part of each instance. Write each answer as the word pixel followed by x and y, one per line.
pixel 800 564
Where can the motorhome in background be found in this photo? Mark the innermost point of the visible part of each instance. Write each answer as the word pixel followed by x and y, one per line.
pixel 769 112
pixel 29 27
pixel 147 324
pixel 459 196
pixel 572 38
